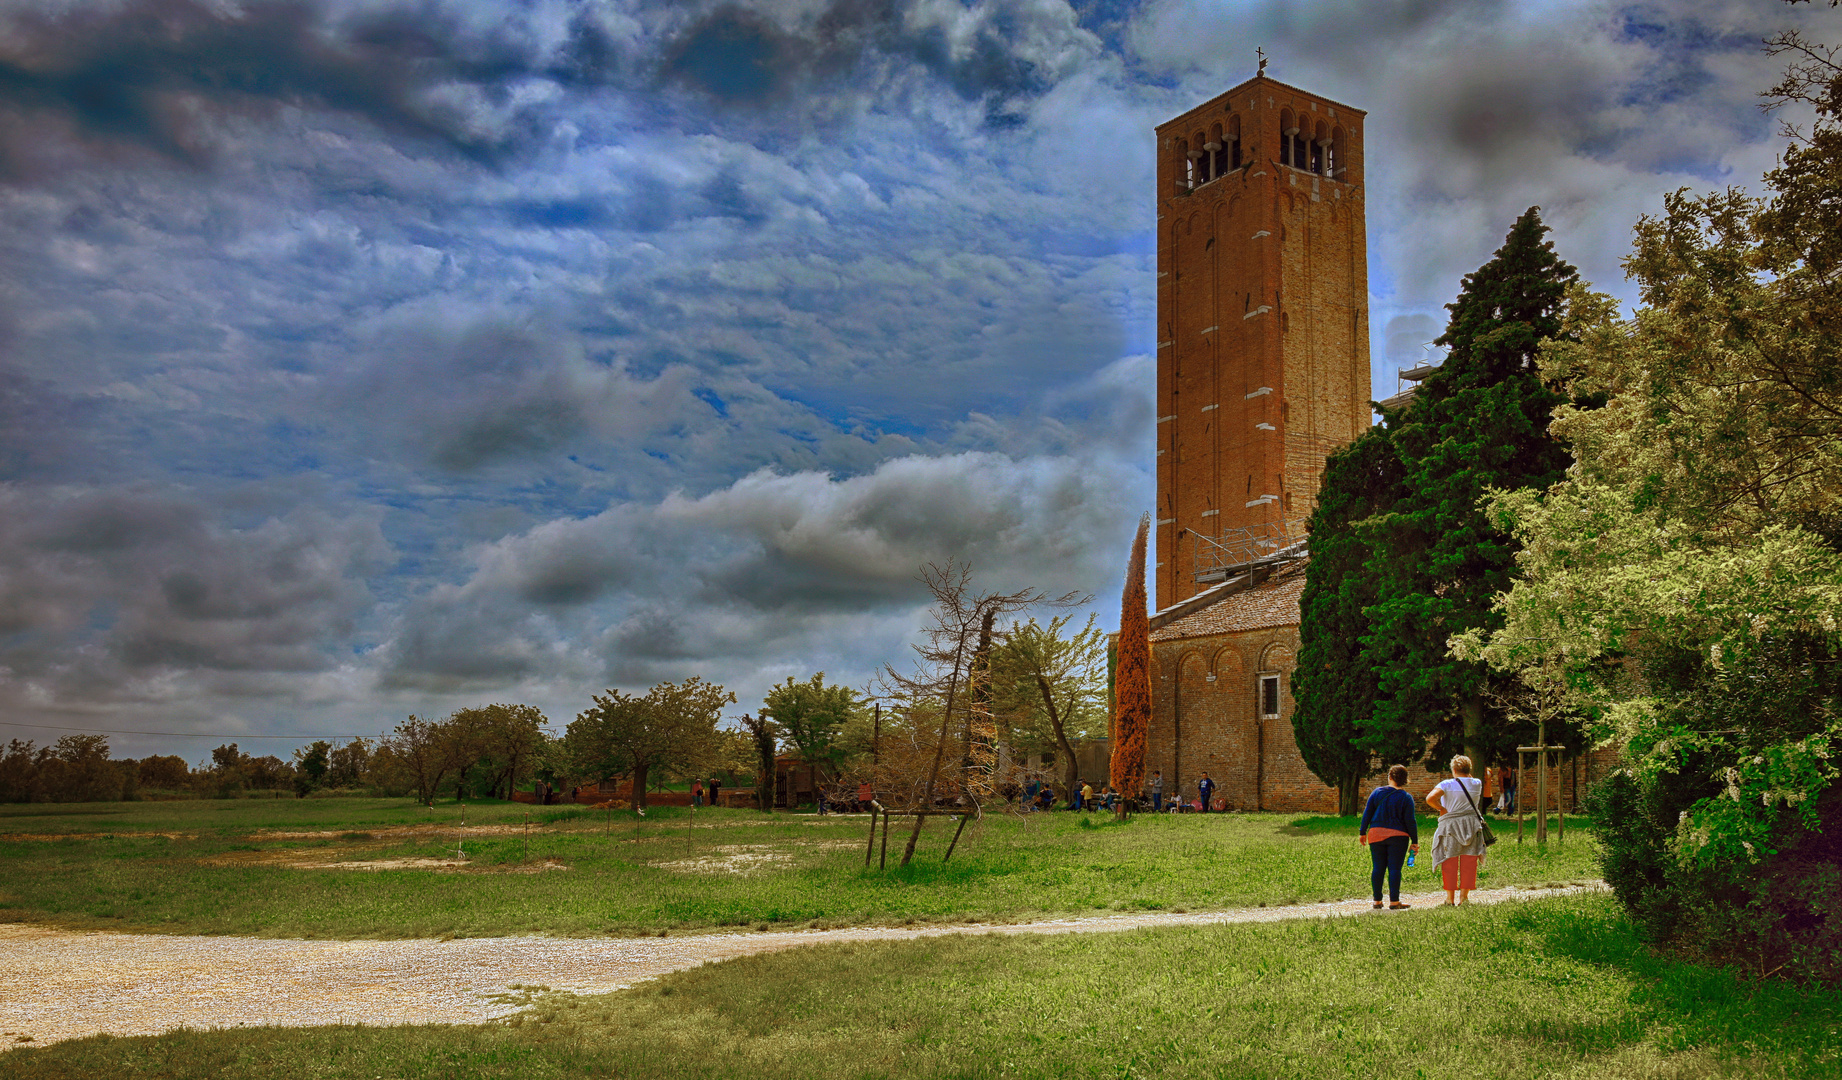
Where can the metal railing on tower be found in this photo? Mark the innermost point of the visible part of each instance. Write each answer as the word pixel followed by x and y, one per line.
pixel 1236 551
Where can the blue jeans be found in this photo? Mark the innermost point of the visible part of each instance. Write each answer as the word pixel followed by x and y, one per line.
pixel 1387 855
pixel 1157 802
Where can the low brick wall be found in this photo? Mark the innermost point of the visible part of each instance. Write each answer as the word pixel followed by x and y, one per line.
pixel 594 798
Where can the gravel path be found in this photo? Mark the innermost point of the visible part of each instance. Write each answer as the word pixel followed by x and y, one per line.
pixel 61 984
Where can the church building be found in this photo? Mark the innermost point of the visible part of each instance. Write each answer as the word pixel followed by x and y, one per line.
pixel 1263 371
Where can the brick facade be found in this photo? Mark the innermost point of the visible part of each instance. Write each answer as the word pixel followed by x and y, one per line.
pixel 1263 343
pixel 1208 714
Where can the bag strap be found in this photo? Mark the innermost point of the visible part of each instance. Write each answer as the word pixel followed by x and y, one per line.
pixel 1466 792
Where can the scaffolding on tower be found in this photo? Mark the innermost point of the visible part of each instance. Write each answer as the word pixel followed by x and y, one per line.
pixel 1238 551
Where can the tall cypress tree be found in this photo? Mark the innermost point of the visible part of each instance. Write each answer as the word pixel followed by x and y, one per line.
pixel 1479 422
pixel 1335 684
pixel 1132 684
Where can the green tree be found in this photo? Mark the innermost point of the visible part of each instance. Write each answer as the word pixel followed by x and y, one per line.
pixel 812 715
pixel 1685 582
pixel 348 765
pixel 671 728
pixel 502 742
pixel 1479 423
pixel 417 749
pixel 311 763
pixel 1049 687
pixel 1335 683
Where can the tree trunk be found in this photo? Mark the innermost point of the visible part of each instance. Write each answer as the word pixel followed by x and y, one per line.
pixel 1473 712
pixel 940 749
pixel 980 690
pixel 641 767
pixel 1061 737
pixel 1348 793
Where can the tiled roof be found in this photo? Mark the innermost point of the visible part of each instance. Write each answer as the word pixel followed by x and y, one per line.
pixel 1273 602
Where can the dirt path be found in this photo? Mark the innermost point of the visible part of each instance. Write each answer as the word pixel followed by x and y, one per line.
pixel 62 984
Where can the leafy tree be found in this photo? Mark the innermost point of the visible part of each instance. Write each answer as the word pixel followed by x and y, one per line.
pixel 812 715
pixel 1132 700
pixel 1335 683
pixel 348 765
pixel 310 765
pixel 76 768
pixel 1479 423
pixel 671 728
pixel 419 748
pixel 1049 690
pixel 166 772
pixel 1685 582
pixel 502 741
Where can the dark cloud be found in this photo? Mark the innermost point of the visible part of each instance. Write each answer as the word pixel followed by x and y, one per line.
pixel 993 53
pixel 104 586
pixel 738 576
pixel 166 77
pixel 156 74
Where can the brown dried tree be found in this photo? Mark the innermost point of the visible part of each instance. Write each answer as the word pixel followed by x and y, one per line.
pixel 1132 676
pixel 946 658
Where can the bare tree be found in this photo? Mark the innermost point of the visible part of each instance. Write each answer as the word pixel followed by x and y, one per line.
pixel 944 661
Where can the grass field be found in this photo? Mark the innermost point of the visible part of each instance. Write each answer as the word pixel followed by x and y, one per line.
pixel 1546 988
pixel 284 868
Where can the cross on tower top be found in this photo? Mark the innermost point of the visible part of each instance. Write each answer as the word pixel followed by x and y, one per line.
pixel 1261 53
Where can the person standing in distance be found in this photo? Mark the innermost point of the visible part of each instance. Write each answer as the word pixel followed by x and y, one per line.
pixel 1390 828
pixel 1458 843
pixel 1205 788
pixel 1157 792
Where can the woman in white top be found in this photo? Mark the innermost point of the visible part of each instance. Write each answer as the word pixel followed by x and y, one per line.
pixel 1458 843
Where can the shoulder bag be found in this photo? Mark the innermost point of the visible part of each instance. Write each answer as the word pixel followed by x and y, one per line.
pixel 1489 837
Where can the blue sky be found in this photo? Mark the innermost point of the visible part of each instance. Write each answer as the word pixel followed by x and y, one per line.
pixel 363 357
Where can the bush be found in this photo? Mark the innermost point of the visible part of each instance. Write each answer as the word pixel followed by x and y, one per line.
pixel 1781 916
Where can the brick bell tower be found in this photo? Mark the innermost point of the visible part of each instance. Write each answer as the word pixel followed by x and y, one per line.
pixel 1263 338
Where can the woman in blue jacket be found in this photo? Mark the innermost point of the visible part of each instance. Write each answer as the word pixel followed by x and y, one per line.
pixel 1391 829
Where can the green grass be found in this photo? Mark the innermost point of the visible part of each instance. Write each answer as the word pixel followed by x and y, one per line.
pixel 215 867
pixel 1549 988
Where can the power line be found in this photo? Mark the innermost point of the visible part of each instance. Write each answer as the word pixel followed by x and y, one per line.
pixel 176 734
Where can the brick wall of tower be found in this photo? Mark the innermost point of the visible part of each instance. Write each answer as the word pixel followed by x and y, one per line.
pixel 1324 335
pixel 1262 334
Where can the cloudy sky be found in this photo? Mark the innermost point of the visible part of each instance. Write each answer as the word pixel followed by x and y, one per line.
pixel 367 357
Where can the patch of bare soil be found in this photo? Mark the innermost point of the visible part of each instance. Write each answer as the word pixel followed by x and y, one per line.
pixel 62 984
pixel 95 836
pixel 450 865
pixel 337 859
pixel 736 859
pixel 389 832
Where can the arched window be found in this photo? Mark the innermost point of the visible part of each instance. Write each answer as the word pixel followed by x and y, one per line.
pixel 1186 166
pixel 1199 150
pixel 1334 154
pixel 1320 146
pixel 1234 142
pixel 1218 153
pixel 1288 130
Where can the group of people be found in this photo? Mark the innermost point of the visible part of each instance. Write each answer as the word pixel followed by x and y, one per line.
pixel 1391 829
pixel 1039 795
